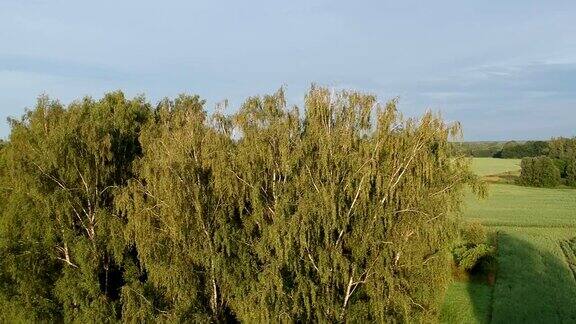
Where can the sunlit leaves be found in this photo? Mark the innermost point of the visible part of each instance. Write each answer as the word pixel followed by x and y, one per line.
pixel 340 210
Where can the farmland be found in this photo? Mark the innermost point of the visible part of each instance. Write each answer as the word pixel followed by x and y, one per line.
pixel 534 280
pixel 490 166
pixel 510 205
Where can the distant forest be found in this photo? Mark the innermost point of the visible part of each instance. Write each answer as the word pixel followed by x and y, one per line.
pixel 504 150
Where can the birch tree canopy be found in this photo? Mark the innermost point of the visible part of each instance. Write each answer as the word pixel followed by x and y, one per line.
pixel 341 210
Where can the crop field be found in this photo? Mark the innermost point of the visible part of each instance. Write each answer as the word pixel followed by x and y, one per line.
pixel 535 280
pixel 490 166
pixel 511 205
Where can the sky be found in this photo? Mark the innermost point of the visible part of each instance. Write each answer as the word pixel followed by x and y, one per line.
pixel 504 69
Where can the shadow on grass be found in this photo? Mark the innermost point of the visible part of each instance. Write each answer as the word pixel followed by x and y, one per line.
pixel 533 285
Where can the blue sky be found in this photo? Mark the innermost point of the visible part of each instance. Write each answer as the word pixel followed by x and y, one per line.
pixel 504 69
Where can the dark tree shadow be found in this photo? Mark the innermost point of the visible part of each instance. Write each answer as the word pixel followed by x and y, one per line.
pixel 532 285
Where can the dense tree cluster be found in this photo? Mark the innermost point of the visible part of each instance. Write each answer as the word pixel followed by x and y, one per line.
pixel 504 150
pixel 113 210
pixel 555 168
pixel 539 172
pixel 479 149
pixel 515 150
pixel 563 151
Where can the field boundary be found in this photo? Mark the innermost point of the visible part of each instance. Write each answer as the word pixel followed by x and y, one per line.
pixel 532 225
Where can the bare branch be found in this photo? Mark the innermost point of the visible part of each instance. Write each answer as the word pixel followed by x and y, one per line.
pixel 50 177
pixel 312 178
pixel 312 260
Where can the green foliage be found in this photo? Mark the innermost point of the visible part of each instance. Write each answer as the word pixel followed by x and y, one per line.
pixel 515 150
pixel 63 168
pixel 570 172
pixel 504 150
pixel 473 250
pixel 562 148
pixel 539 172
pixel 181 215
pixel 479 149
pixel 473 233
pixel 341 211
pixel 354 215
pixel 563 151
pixel 469 256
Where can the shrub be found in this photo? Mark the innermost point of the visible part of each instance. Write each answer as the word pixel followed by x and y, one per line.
pixel 563 151
pixel 474 233
pixel 469 256
pixel 473 250
pixel 539 172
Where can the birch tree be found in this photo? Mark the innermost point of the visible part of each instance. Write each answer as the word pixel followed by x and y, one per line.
pixel 352 218
pixel 180 217
pixel 341 210
pixel 67 163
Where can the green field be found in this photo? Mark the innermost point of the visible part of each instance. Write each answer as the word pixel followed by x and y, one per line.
pixel 534 282
pixel 489 166
pixel 467 302
pixel 513 205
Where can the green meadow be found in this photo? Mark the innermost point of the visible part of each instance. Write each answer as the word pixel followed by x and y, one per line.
pixel 511 205
pixel 535 278
pixel 491 166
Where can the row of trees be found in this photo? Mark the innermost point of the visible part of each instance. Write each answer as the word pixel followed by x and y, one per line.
pixel 555 168
pixel 515 150
pixel 504 150
pixel 116 210
pixel 479 149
